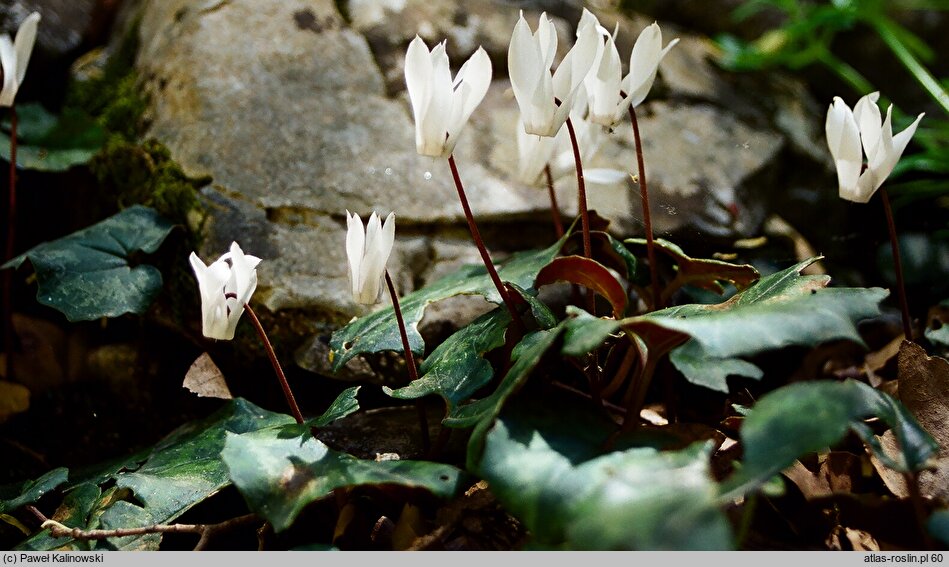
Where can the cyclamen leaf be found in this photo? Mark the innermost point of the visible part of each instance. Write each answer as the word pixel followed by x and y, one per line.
pixel 547 467
pixel 456 369
pixel 31 491
pixel 49 143
pixel 279 474
pixel 780 310
pixel 379 331
pixel 87 275
pixel 186 467
pixel 699 272
pixel 807 416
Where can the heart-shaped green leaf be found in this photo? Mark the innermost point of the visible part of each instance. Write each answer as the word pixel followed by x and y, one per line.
pixel 88 275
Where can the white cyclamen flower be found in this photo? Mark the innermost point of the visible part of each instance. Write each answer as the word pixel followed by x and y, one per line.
pixel 644 63
pixel 440 104
pixel 226 286
pixel 851 134
pixel 368 251
pixel 610 96
pixel 545 101
pixel 15 56
pixel 536 152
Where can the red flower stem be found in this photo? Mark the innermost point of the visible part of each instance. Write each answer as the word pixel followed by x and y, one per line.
pixel 554 208
pixel 647 218
pixel 897 266
pixel 409 361
pixel 581 191
pixel 476 235
pixel 294 408
pixel 8 332
pixel 584 214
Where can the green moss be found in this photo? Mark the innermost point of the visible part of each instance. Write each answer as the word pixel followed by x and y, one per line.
pixel 133 170
pixel 144 173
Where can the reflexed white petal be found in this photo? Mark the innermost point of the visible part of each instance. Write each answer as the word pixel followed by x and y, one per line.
pixel 546 39
pixel 902 139
pixel 211 286
pixel 603 88
pixel 604 175
pixel 867 114
pixel 8 61
pixel 418 81
pixel 368 262
pixel 644 63
pixel 355 249
pixel 843 139
pixel 23 44
pixel 473 81
pixel 435 122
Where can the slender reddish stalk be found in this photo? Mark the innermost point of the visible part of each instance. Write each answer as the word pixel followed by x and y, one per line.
pixel 291 401
pixel 897 266
pixel 554 208
pixel 8 333
pixel 647 218
pixel 584 214
pixel 409 360
pixel 581 191
pixel 476 235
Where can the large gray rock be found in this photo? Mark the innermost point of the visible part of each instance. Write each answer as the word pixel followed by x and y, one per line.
pixel 298 113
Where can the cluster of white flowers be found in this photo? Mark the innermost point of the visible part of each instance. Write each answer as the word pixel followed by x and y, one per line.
pixel 586 86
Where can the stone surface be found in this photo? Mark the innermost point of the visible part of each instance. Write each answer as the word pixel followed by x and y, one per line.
pixel 297 111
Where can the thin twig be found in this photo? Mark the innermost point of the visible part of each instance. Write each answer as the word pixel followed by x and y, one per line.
pixel 281 377
pixel 647 218
pixel 897 265
pixel 409 361
pixel 205 531
pixel 485 257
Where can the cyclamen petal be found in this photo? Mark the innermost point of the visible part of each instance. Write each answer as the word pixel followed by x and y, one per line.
pixel 843 138
pixel 851 134
pixel 644 63
pixel 546 100
pixel 225 287
pixel 367 251
pixel 15 57
pixel 441 106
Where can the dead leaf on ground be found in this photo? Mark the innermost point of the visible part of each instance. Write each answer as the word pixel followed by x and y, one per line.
pixel 206 380
pixel 850 539
pixel 777 226
pixel 924 390
pixel 876 360
pixel 14 399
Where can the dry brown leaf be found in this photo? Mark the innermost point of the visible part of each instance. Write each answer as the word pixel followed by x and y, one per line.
pixel 14 399
pixel 840 471
pixel 850 539
pixel 875 361
pixel 924 390
pixel 811 485
pixel 206 380
pixel 777 226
